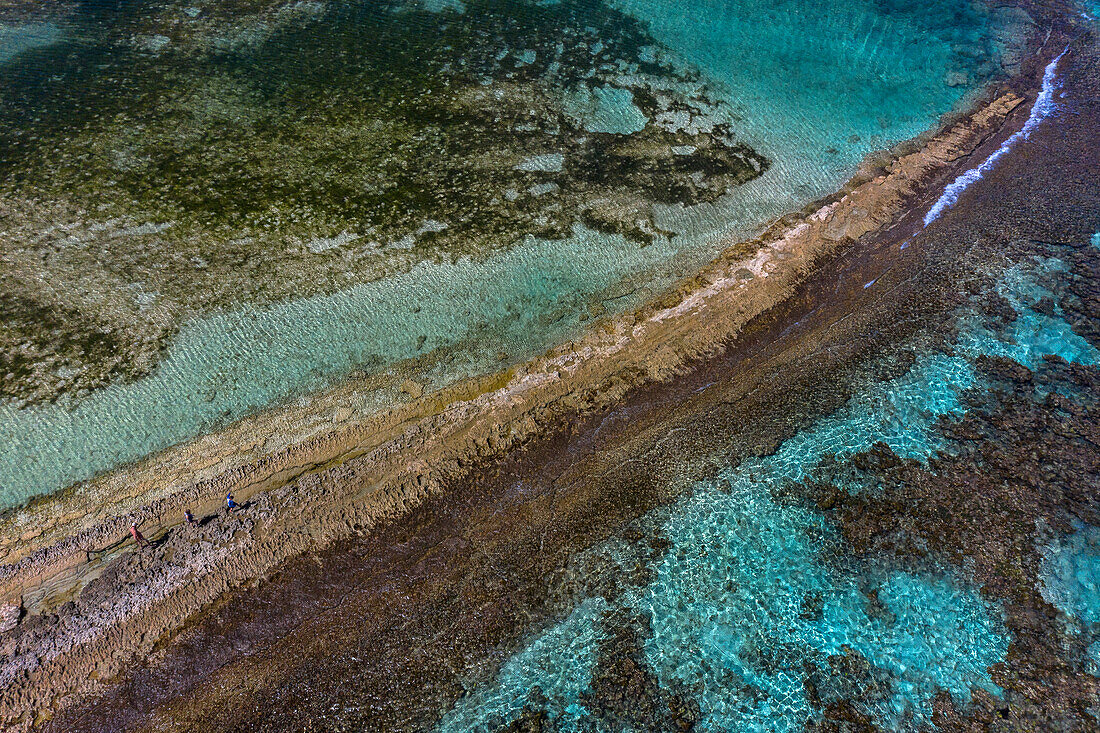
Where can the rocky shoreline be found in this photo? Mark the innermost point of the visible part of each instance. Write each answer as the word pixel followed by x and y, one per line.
pixel 85 620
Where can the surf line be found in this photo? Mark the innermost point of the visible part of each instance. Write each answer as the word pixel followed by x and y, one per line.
pixel 1044 106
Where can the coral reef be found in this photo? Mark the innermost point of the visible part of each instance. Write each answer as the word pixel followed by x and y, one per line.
pixel 188 158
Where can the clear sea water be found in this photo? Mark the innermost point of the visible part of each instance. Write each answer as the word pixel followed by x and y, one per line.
pixel 17 38
pixel 814 85
pixel 1071 582
pixel 727 604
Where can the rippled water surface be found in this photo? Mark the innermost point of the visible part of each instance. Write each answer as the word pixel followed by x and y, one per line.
pixel 756 617
pixel 878 511
pixel 234 206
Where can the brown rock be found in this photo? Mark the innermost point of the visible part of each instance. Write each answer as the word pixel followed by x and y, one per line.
pixel 10 613
pixel 412 389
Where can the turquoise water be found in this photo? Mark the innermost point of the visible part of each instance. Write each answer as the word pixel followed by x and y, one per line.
pixel 220 368
pixel 815 86
pixel 1071 574
pixel 1032 334
pixel 752 588
pixel 558 662
pixel 17 38
pixel 936 634
pixel 899 413
pixel 1071 582
pixel 605 109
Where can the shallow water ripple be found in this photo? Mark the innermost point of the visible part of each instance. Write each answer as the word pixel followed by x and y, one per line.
pixel 759 614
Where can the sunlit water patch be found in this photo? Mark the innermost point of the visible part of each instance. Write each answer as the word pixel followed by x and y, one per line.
pixel 748 594
pixel 558 663
pixel 1071 582
pixel 755 601
pixel 818 85
pixel 1032 334
pixel 18 38
pixel 605 109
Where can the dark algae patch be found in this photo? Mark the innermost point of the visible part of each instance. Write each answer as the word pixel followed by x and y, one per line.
pixel 61 337
pixel 165 160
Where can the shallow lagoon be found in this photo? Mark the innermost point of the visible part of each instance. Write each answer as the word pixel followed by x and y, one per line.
pixel 892 76
pixel 17 38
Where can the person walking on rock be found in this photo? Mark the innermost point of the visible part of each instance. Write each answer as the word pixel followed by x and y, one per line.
pixel 231 505
pixel 139 538
pixel 188 516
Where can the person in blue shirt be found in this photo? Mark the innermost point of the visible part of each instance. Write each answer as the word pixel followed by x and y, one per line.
pixel 231 505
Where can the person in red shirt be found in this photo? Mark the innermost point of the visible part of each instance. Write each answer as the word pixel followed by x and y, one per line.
pixel 139 538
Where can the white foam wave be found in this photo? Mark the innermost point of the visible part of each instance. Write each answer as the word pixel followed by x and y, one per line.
pixel 1044 106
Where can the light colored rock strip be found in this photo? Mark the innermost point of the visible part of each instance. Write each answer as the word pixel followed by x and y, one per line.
pixel 93 514
pixel 310 491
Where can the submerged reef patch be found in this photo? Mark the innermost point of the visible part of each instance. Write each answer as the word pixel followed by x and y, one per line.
pixel 1071 582
pixel 165 160
pixel 185 168
pixel 858 574
pixel 1013 499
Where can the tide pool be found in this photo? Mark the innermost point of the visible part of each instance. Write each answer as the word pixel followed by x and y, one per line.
pixel 746 595
pixel 1071 582
pixel 1032 334
pixel 1071 574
